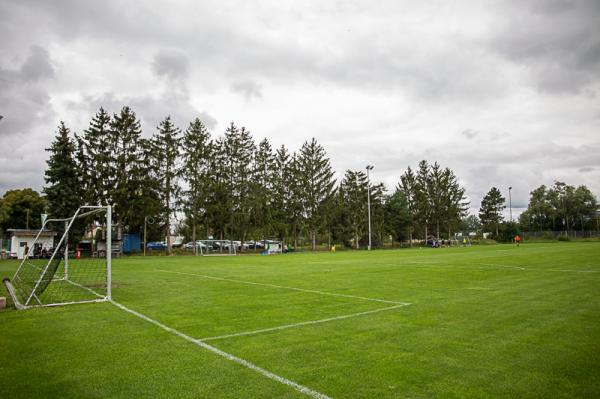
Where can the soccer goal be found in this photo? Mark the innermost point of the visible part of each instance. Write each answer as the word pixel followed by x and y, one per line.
pixel 73 268
pixel 218 247
pixel 273 247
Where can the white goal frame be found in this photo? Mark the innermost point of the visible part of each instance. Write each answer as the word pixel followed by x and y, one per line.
pixel 230 251
pixel 31 296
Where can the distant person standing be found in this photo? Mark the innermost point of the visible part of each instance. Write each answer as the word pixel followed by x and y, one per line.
pixel 518 239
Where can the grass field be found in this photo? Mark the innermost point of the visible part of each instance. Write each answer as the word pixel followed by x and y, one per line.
pixel 490 321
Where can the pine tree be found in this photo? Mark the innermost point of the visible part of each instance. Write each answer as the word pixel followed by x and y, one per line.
pixel 128 180
pixel 398 219
pixel 423 204
pixel 264 174
pixel 408 187
pixel 353 196
pixel 95 158
pixel 195 171
pixel 454 205
pixel 316 181
pixel 63 190
pixel 378 213
pixel 280 212
pixel 237 154
pixel 295 202
pixel 491 209
pixel 165 144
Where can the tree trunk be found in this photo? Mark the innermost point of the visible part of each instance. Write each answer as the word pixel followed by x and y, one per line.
pixel 295 235
pixel 168 231
pixel 314 240
pixel 194 238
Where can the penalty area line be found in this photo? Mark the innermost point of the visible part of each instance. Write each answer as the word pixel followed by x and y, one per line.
pixel 304 323
pixel 285 287
pixel 228 356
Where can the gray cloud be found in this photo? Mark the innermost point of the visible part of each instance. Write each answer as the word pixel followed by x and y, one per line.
pixel 248 88
pixel 151 111
pixel 172 64
pixel 24 98
pixel 469 134
pixel 559 41
pixel 37 66
pixel 508 97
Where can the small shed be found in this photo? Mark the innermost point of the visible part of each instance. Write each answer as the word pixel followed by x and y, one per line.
pixel 20 239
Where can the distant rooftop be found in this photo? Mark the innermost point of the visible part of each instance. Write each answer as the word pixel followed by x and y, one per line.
pixel 29 232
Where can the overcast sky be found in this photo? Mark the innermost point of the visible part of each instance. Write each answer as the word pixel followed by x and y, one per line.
pixel 505 93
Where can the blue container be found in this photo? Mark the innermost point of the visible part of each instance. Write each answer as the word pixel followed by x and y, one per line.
pixel 131 243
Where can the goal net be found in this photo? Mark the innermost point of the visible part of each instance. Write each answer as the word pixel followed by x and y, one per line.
pixel 273 247
pixel 218 247
pixel 73 268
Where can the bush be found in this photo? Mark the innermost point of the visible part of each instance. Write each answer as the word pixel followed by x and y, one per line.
pixel 564 238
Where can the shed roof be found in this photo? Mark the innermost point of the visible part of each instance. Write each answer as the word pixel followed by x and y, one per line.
pixel 30 233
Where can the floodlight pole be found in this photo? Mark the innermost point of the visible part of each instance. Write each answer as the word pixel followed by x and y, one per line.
pixel 369 168
pixel 510 203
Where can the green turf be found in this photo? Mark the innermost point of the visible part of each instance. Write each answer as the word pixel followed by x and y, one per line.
pixel 490 321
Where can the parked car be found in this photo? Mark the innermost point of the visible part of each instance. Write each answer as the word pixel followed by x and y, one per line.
pixel 199 244
pixel 254 244
pixel 156 245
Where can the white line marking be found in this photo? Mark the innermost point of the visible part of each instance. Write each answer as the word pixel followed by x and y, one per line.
pixel 287 288
pixel 228 356
pixel 305 323
pixel 84 287
pixel 505 266
pixel 565 270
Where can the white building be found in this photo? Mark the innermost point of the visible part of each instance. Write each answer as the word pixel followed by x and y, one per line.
pixel 22 239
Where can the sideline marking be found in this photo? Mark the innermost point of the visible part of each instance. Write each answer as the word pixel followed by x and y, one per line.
pixel 304 323
pixel 228 356
pixel 286 288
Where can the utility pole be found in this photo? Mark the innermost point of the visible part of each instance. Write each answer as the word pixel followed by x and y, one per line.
pixel 369 168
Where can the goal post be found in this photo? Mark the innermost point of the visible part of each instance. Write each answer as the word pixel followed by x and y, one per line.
pixel 71 269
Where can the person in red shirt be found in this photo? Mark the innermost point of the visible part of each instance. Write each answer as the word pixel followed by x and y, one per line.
pixel 518 239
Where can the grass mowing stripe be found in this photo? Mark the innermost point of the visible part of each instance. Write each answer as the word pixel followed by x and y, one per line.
pixel 228 356
pixel 286 288
pixel 304 323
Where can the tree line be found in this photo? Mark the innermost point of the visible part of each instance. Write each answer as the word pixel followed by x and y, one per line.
pixel 231 187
